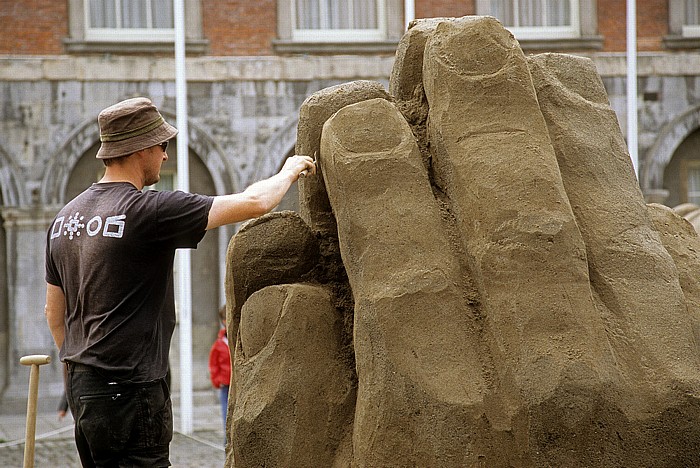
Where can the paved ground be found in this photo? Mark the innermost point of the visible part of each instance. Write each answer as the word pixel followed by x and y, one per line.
pixel 55 447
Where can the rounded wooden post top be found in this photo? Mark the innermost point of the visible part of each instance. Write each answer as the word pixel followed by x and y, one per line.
pixel 37 359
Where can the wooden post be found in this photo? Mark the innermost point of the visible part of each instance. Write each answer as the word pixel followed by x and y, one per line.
pixel 34 361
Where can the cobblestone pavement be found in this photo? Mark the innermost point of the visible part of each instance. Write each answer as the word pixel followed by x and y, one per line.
pixel 55 447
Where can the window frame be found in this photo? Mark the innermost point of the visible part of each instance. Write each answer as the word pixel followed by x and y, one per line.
pixel 689 30
pixel 82 39
pixel 582 34
pixel 544 32
pixel 125 34
pixel 384 39
pixel 680 35
pixel 341 35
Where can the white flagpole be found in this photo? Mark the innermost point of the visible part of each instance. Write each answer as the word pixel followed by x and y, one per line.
pixel 632 132
pixel 409 11
pixel 183 255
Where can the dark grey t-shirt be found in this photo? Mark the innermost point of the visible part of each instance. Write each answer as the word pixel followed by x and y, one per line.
pixel 111 251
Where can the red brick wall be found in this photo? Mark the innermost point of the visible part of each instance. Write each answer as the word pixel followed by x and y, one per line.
pixel 248 27
pixel 240 27
pixel 33 27
pixel 611 24
pixel 652 24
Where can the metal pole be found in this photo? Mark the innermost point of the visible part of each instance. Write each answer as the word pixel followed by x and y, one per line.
pixel 409 11
pixel 183 255
pixel 632 132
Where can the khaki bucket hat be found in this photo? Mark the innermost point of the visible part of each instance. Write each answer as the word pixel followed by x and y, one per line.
pixel 130 126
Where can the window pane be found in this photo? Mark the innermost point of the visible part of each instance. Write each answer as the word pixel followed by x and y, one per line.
pixel 694 185
pixel 692 12
pixel 558 12
pixel 308 14
pixel 503 10
pixel 134 14
pixel 102 14
pixel 336 14
pixel 365 14
pixel 531 13
pixel 162 14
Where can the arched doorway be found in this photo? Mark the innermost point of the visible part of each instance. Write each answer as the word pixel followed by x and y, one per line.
pixel 682 173
pixel 280 146
pixel 661 172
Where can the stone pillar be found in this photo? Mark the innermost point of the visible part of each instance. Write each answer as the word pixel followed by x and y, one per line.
pixel 27 331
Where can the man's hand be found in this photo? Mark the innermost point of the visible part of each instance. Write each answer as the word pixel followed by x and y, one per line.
pixel 294 163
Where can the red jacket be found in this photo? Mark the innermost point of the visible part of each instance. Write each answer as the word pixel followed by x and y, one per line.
pixel 220 361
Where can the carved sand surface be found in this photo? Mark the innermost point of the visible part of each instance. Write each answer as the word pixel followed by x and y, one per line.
pixel 474 278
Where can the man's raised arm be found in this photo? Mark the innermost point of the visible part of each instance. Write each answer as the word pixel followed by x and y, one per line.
pixel 259 198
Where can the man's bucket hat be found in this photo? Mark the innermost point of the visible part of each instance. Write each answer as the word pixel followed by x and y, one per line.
pixel 130 126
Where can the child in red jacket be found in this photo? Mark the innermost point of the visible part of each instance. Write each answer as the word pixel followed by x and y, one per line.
pixel 220 365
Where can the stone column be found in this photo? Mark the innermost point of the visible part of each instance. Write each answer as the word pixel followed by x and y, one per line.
pixel 27 331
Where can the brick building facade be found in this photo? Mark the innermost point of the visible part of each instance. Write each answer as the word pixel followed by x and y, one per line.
pixel 250 65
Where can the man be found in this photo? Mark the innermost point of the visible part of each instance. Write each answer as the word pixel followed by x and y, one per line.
pixel 109 274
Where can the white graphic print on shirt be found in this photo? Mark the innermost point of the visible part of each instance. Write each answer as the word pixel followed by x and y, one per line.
pixel 113 226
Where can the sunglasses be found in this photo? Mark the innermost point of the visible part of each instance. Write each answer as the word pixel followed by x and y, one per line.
pixel 164 145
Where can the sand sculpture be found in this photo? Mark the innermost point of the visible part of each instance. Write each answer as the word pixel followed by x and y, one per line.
pixel 474 278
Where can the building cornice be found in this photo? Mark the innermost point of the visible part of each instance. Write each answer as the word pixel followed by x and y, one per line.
pixel 201 69
pixel 291 68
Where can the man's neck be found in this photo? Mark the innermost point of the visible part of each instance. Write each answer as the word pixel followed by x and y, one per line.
pixel 122 173
pixel 121 178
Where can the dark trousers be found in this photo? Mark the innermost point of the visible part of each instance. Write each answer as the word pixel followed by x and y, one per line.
pixel 119 425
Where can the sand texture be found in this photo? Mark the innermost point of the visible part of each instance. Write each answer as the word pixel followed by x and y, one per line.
pixel 473 280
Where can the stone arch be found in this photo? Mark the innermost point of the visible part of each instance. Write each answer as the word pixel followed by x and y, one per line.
pixel 63 160
pixel 663 149
pixel 280 145
pixel 86 134
pixel 11 184
pixel 212 155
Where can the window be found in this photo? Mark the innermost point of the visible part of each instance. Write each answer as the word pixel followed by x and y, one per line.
pixel 536 19
pixel 683 24
pixel 691 22
pixel 547 24
pixel 689 187
pixel 131 26
pixel 338 20
pixel 694 185
pixel 339 25
pixel 142 20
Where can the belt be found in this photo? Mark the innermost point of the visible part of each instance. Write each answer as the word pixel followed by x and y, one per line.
pixel 77 366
